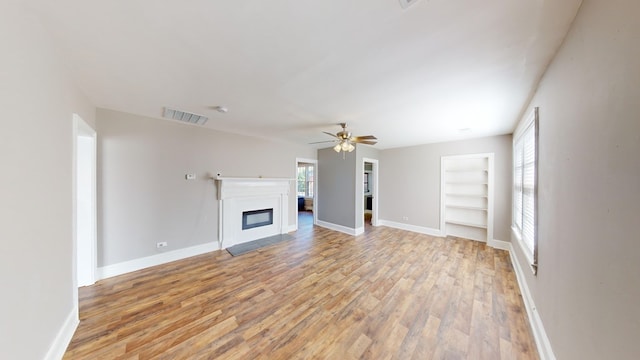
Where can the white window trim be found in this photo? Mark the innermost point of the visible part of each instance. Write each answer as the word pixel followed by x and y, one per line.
pixel 530 254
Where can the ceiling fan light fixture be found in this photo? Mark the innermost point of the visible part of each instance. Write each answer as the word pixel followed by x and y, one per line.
pixel 345 142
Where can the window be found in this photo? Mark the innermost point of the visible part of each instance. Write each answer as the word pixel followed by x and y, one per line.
pixel 305 180
pixel 525 170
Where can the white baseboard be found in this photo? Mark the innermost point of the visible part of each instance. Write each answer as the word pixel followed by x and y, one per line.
pixel 291 228
pixel 145 262
pixel 499 244
pixel 539 334
pixel 340 228
pixel 408 227
pixel 63 338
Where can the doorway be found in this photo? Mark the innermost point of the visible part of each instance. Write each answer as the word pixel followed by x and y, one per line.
pixel 85 229
pixel 306 192
pixel 370 193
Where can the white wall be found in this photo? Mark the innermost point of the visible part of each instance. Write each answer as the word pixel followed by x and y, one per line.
pixel 410 182
pixel 38 101
pixel 143 195
pixel 587 290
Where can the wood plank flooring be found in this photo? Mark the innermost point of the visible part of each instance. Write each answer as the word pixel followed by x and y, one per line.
pixel 387 294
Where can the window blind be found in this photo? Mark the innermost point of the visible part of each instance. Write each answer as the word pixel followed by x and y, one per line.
pixel 524 186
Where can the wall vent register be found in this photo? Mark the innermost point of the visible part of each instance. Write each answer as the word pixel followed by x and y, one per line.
pixel 256 218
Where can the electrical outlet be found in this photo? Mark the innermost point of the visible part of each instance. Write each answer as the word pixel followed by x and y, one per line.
pixel 161 244
pixel 190 176
pixel 405 218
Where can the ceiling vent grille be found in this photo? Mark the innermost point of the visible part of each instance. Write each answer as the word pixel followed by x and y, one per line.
pixel 184 116
pixel 406 3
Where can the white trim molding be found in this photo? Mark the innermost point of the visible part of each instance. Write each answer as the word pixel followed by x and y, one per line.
pixel 153 260
pixel 64 336
pixel 340 228
pixel 409 227
pixel 539 334
pixel 499 244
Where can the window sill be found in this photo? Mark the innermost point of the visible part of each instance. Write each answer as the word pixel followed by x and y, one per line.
pixel 523 247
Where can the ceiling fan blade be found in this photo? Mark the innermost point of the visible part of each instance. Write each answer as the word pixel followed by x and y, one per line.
pixel 330 134
pixel 366 137
pixel 367 142
pixel 320 142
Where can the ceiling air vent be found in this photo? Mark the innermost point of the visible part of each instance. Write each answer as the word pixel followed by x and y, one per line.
pixel 406 3
pixel 184 116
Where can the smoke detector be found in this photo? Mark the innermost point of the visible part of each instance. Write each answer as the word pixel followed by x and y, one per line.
pixel 406 3
pixel 185 116
pixel 220 109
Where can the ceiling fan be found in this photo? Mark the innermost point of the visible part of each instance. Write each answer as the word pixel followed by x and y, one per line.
pixel 345 142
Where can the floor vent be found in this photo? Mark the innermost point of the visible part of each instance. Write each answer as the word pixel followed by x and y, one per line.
pixel 184 116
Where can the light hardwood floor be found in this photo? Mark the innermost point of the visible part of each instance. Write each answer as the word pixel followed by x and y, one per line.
pixel 387 294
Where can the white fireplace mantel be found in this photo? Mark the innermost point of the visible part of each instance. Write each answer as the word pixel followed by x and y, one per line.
pixel 236 195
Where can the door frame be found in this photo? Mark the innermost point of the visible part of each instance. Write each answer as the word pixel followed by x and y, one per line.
pixel 376 186
pixel 315 187
pixel 82 129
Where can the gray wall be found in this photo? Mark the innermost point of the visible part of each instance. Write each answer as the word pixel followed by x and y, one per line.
pixel 410 181
pixel 143 195
pixel 340 186
pixel 36 149
pixel 336 187
pixel 587 290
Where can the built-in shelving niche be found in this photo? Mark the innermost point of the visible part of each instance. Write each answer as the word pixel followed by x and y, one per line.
pixel 467 196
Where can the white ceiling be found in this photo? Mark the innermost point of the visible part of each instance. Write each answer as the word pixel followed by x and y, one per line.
pixel 292 69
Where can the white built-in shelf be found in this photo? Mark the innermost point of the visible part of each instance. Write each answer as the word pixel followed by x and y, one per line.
pixel 480 208
pixel 467 195
pixel 466 170
pixel 466 183
pixel 463 223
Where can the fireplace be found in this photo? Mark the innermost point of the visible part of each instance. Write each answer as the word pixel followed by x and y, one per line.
pixel 251 209
pixel 256 218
